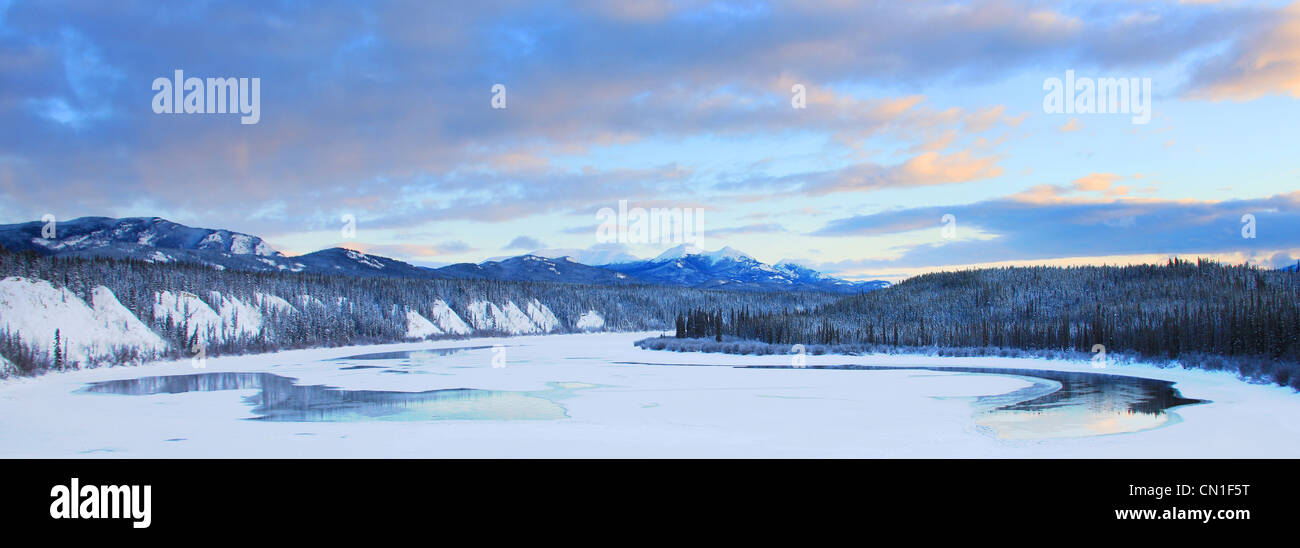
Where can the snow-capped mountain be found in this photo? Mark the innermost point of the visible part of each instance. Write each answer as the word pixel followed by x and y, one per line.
pixel 337 260
pixel 158 240
pixel 151 239
pixel 533 268
pixel 589 257
pixel 728 268
pixel 89 234
pixel 800 274
pixel 686 250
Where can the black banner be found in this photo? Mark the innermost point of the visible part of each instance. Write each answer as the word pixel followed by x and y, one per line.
pixel 227 497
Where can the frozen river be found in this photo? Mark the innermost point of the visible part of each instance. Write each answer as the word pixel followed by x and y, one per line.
pixel 596 395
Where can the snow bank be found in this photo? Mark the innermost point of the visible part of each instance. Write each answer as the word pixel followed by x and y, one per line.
pixel 591 321
pixel 34 309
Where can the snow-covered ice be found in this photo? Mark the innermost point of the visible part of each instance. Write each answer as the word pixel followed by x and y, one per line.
pixel 623 410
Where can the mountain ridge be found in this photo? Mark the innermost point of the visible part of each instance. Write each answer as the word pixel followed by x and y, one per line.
pixel 158 240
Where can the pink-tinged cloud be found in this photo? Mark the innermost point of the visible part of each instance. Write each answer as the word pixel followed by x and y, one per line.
pixel 1266 63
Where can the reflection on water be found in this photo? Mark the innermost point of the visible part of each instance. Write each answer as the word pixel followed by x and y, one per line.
pixel 402 361
pixel 1058 404
pixel 280 399
pixel 1065 404
pixel 412 354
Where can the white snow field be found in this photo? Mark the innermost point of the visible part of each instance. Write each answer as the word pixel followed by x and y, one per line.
pixel 610 409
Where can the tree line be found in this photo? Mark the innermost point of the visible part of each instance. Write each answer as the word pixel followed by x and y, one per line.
pixel 336 310
pixel 1164 312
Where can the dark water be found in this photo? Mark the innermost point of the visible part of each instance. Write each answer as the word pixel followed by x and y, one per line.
pixel 281 399
pixel 1058 404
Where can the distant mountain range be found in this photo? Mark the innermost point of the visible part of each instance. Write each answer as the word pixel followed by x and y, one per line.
pixel 728 268
pixel 158 240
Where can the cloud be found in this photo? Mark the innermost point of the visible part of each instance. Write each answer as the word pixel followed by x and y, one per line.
pixel 924 169
pixel 525 243
pixel 372 127
pixel 1016 229
pixel 753 228
pixel 1264 62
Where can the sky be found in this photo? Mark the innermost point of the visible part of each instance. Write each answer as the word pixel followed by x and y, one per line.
pixel 924 141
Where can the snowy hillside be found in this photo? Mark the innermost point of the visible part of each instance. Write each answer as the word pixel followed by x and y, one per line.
pixel 448 320
pixel 189 312
pixel 99 331
pixel 89 333
pixel 109 311
pixel 442 321
pixel 419 327
pixel 508 318
pixel 590 321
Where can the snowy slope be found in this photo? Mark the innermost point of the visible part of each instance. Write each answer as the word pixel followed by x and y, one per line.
pixel 91 333
pixel 542 317
pixel 447 320
pixel 238 319
pixel 272 302
pixel 590 321
pixel 190 311
pixel 515 321
pixel 122 324
pixel 419 327
pixel 508 318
